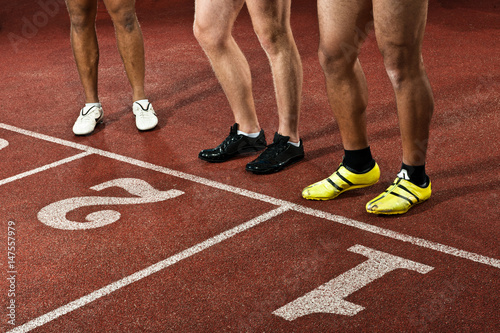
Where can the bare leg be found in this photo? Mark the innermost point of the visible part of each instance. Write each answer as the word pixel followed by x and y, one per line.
pixel 399 28
pixel 400 42
pixel 130 42
pixel 343 28
pixel 84 44
pixel 214 20
pixel 271 21
pixel 344 25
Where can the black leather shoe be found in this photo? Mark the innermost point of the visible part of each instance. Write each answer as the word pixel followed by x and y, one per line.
pixel 277 156
pixel 235 144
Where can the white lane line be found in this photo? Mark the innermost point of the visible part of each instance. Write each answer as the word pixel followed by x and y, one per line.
pixel 43 168
pixel 44 137
pixel 42 320
pixel 398 236
pixel 257 196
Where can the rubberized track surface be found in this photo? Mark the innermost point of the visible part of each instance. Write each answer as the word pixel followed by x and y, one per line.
pixel 179 245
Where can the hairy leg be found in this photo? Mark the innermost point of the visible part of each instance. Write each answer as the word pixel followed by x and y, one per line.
pixel 271 21
pixel 399 28
pixel 130 42
pixel 213 23
pixel 84 44
pixel 344 25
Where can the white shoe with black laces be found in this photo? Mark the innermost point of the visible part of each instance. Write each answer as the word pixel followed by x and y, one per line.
pixel 145 118
pixel 87 120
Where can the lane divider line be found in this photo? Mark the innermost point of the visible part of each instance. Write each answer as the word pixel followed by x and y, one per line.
pixel 420 242
pixel 44 137
pixel 45 167
pixel 43 319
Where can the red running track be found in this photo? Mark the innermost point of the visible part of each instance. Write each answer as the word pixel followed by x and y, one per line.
pixel 195 247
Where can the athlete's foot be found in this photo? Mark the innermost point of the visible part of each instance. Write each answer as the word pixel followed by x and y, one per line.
pixel 340 181
pixel 88 119
pixel 145 116
pixel 399 197
pixel 235 144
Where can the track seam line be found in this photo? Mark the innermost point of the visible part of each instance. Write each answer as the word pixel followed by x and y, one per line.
pixel 278 202
pixel 45 167
pixel 82 301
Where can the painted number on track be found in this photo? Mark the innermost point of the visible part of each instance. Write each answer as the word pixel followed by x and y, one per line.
pixel 3 143
pixel 54 215
pixel 329 298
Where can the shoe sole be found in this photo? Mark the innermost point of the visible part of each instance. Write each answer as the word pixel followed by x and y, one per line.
pixel 266 172
pixel 239 153
pixel 147 129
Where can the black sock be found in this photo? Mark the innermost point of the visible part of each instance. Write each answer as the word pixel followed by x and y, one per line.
pixel 358 161
pixel 415 174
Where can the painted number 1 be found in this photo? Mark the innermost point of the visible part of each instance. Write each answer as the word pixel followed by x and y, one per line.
pixel 54 215
pixel 329 298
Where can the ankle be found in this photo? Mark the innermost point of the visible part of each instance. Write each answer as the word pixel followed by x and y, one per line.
pixel 247 128
pixel 359 161
pixel 414 174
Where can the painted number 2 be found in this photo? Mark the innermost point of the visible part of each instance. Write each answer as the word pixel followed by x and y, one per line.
pixel 3 143
pixel 54 215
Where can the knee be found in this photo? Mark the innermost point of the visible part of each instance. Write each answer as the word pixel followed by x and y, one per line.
pixel 274 39
pixel 82 19
pixel 335 59
pixel 124 19
pixel 402 63
pixel 201 33
pixel 210 36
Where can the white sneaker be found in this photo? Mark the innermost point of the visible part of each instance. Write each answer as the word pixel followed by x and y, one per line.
pixel 145 119
pixel 86 122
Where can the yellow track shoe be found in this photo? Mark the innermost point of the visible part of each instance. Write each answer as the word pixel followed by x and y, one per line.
pixel 398 198
pixel 340 181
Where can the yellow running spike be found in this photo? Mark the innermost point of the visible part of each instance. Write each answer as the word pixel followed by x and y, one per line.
pixel 399 198
pixel 340 181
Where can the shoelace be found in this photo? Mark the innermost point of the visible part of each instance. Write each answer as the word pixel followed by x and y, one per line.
pixel 89 111
pixel 143 113
pixel 89 116
pixel 274 149
pixel 227 141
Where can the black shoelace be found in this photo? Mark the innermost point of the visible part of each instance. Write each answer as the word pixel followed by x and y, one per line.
pixel 274 149
pixel 229 140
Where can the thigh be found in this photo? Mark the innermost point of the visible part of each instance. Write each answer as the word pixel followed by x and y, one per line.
pixel 343 26
pixel 399 28
pixel 217 14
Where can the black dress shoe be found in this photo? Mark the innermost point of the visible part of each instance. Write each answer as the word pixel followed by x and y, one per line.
pixel 277 156
pixel 235 144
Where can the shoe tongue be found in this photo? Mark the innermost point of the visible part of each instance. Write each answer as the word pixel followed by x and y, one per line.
pixel 234 129
pixel 280 138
